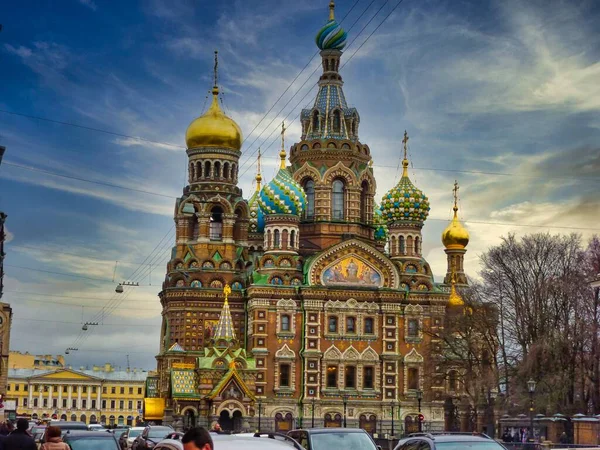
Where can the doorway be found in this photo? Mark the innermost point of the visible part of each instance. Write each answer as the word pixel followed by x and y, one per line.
pixel 225 421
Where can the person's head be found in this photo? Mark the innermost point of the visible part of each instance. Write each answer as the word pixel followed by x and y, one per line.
pixel 197 438
pixel 52 432
pixel 22 424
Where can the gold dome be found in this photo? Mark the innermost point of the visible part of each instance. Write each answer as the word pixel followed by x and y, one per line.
pixel 214 128
pixel 455 236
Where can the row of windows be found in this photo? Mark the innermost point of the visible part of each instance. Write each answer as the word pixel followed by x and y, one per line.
pixel 338 200
pixel 351 325
pixel 65 389
pixel 332 378
pixel 198 170
pixel 84 404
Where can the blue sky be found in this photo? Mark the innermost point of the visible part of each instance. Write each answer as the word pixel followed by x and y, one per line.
pixel 483 88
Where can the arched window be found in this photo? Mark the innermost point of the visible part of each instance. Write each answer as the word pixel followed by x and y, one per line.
pixel 217 173
pixel 315 126
pixel 337 200
pixel 354 126
pixel 402 246
pixel 233 173
pixel 309 190
pixel 364 207
pixel 226 173
pixel 276 239
pixel 195 228
pixel 337 121
pixel 83 419
pixel 207 172
pixel 199 169
pixel 293 239
pixel 216 224
pixel 237 226
pixel 74 416
pixel 285 322
pixel 452 380
pixel 417 244
pixel 409 245
pixel 192 171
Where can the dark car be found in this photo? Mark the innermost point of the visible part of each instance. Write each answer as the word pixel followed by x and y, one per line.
pixel 66 426
pixel 91 440
pixel 448 441
pixel 245 441
pixel 334 438
pixel 151 436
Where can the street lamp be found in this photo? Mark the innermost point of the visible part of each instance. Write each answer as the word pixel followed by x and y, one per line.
pixel 393 407
pixel 531 388
pixel 259 413
pixel 345 399
pixel 419 398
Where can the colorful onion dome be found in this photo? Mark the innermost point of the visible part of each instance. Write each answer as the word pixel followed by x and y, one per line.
pixel 332 36
pixel 381 229
pixel 455 236
pixel 257 217
pixel 282 195
pixel 405 202
pixel 214 128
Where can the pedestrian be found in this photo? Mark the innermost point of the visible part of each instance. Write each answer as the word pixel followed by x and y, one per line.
pixel 563 439
pixel 54 440
pixel 20 439
pixel 197 438
pixel 506 436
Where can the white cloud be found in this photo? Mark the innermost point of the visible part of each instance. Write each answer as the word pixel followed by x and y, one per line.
pixel 90 4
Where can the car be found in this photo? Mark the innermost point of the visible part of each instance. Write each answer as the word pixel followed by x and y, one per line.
pixel 169 444
pixel 334 438
pixel 174 436
pixel 250 441
pixel 91 440
pixel 151 435
pixel 95 427
pixel 448 441
pixel 66 426
pixel 127 437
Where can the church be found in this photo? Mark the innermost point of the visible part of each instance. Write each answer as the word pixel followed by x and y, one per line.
pixel 309 303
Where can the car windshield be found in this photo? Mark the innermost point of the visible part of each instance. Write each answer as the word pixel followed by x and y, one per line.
pixel 347 441
pixel 135 433
pixel 159 432
pixel 93 443
pixel 472 445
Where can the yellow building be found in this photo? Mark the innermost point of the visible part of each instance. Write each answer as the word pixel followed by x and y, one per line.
pixel 101 395
pixel 18 360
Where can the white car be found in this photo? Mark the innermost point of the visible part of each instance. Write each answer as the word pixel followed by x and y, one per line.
pixel 95 427
pixel 130 435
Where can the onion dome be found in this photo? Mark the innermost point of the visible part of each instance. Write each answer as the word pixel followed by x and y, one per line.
pixel 332 36
pixel 381 229
pixel 257 218
pixel 282 195
pixel 455 236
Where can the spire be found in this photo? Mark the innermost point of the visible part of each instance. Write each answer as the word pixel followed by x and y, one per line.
pixel 258 174
pixel 224 329
pixel 331 10
pixel 405 160
pixel 455 299
pixel 282 153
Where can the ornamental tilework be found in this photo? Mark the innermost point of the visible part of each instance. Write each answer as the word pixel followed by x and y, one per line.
pixel 183 383
pixel 282 195
pixel 405 203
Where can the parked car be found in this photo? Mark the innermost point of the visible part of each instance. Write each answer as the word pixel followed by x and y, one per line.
pixel 95 427
pixel 91 440
pixel 66 426
pixel 334 438
pixel 127 437
pixel 169 444
pixel 448 441
pixel 151 436
pixel 249 441
pixel 174 436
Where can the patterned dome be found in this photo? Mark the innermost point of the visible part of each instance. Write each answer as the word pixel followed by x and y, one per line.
pixel 332 36
pixel 282 195
pixel 405 202
pixel 257 217
pixel 381 229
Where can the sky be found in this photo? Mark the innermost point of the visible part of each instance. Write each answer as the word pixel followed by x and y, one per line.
pixel 503 96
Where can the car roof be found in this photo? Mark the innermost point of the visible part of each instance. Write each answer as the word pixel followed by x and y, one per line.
pixel 93 434
pixel 252 442
pixel 331 430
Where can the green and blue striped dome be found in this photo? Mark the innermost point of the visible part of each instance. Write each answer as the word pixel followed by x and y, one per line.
pixel 405 203
pixel 381 229
pixel 282 195
pixel 331 37
pixel 257 217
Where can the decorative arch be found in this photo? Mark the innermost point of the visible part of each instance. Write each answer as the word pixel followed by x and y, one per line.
pixel 332 354
pixel 209 203
pixel 242 207
pixel 230 406
pixel 285 353
pixel 369 355
pixel 351 354
pixel 413 357
pixel 342 172
pixel 307 171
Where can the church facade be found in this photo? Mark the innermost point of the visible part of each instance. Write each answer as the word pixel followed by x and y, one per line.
pixel 308 304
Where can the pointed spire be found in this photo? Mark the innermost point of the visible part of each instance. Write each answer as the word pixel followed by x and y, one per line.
pixel 455 299
pixel 331 10
pixel 224 329
pixel 216 69
pixel 282 153
pixel 258 174
pixel 405 160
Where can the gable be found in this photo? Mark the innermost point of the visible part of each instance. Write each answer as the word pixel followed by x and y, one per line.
pixel 65 375
pixel 355 264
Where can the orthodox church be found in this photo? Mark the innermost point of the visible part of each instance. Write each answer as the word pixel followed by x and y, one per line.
pixel 308 304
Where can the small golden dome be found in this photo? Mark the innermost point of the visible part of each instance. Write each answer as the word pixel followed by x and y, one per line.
pixel 455 235
pixel 214 129
pixel 455 299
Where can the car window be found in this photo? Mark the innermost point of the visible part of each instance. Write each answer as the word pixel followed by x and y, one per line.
pixel 468 445
pixel 301 437
pixel 160 433
pixel 95 443
pixel 411 445
pixel 134 433
pixel 341 440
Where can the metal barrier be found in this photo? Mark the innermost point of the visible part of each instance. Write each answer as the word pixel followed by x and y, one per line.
pixel 546 446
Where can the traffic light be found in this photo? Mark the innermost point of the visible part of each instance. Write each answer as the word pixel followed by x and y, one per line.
pixel 421 417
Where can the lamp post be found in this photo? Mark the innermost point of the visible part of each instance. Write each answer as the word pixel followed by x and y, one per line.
pixel 419 398
pixel 531 388
pixel 259 413
pixel 312 419
pixel 393 407
pixel 345 399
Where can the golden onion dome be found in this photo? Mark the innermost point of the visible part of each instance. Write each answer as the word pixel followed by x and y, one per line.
pixel 214 128
pixel 455 235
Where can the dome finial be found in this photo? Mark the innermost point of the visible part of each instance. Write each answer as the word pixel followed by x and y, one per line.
pixel 455 193
pixel 282 153
pixel 216 70
pixel 258 174
pixel 455 236
pixel 405 160
pixel 331 10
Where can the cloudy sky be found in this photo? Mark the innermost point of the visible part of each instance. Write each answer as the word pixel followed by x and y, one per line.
pixel 502 95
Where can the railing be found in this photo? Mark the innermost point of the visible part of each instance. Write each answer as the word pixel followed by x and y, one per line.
pixel 547 446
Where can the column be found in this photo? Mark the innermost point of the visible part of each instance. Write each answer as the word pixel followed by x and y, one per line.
pixel 40 397
pixel 30 392
pixel 79 389
pixel 69 397
pixel 89 398
pixel 50 392
pixel 99 400
pixel 59 401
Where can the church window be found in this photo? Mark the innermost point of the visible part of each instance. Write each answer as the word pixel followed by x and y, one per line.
pixel 413 327
pixel 369 325
pixel 350 377
pixel 233 173
pixel 367 378
pixel 409 245
pixel 217 169
pixel 293 239
pixel 226 174
pixel 452 380
pixel 337 121
pixel 350 324
pixel 284 375
pixel 402 246
pixel 309 190
pixel 276 239
pixel 332 376
pixel 413 378
pixel 337 203
pixel 198 169
pixel 354 126
pixel 207 172
pixel 364 208
pixel 417 244
pixel 333 324
pixel 276 281
pixel 216 224
pixel 315 126
pixel 285 322
pixel 192 171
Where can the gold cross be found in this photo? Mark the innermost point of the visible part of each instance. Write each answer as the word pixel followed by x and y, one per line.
pixel 455 191
pixel 216 65
pixel 405 142
pixel 283 128
pixel 226 291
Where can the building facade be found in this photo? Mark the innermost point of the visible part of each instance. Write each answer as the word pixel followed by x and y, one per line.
pixel 100 395
pixel 308 304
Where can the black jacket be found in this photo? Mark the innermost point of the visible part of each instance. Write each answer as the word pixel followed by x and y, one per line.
pixel 18 440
